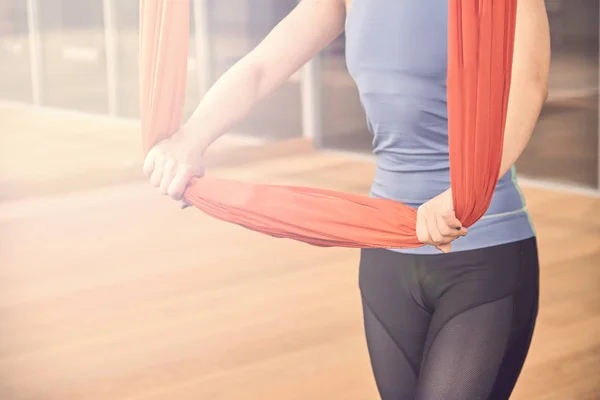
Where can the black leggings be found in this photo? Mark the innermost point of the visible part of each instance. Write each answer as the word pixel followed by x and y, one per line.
pixel 451 326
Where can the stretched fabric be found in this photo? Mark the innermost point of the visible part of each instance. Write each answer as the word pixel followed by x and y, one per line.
pixel 480 51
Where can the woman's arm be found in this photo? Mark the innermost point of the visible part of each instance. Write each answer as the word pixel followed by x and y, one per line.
pixel 529 84
pixel 302 34
pixel 311 26
pixel 436 222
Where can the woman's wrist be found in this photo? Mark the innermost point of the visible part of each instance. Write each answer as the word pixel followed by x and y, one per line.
pixel 195 139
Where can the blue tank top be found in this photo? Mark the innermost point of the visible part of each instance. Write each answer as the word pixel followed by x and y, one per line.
pixel 397 53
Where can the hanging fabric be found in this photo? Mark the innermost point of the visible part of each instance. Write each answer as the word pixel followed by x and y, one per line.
pixel 480 50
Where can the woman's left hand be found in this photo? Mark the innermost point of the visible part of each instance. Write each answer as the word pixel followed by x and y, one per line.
pixel 437 224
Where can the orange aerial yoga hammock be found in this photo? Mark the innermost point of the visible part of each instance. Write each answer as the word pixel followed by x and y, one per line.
pixel 480 52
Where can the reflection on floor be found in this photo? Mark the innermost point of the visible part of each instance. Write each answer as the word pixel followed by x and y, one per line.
pixel 40 154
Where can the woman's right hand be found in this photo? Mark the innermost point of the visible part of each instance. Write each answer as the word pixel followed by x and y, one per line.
pixel 173 162
pixel 308 29
pixel 437 224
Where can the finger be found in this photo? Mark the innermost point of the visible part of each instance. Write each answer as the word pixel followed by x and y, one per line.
pixel 445 248
pixel 168 175
pixel 157 172
pixel 179 183
pixel 434 232
pixel 149 163
pixel 448 232
pixel 451 220
pixel 454 223
pixel 421 229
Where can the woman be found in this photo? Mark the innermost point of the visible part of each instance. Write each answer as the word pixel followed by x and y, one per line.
pixel 439 324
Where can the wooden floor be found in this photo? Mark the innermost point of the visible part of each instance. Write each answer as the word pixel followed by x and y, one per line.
pixel 115 293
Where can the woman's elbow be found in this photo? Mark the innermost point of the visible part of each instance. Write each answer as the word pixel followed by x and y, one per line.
pixel 543 89
pixel 537 84
pixel 541 77
pixel 543 83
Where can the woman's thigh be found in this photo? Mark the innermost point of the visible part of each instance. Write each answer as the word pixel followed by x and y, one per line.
pixel 484 306
pixel 396 323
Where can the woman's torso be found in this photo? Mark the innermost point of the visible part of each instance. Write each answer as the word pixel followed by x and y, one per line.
pixel 396 51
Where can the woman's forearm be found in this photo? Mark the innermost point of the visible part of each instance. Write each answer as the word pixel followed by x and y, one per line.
pixel 227 102
pixel 529 83
pixel 524 107
pixel 296 39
